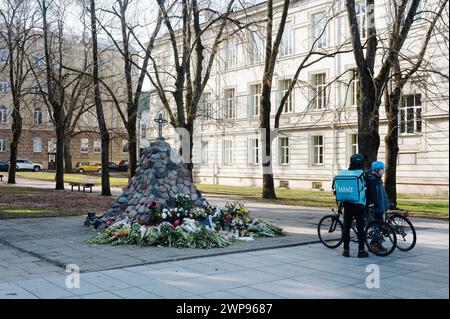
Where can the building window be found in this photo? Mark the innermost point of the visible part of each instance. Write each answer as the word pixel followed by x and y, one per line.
pixel 4 56
pixel 97 146
pixel 2 144
pixel 319 31
pixel 319 91
pixel 143 130
pixel 3 114
pixel 37 145
pixel 206 109
pixel 254 151
pixel 411 114
pixel 353 143
pixel 84 145
pixel 37 115
pixel 360 9
pixel 289 104
pixel 255 99
pixel 287 42
pixel 4 86
pixel 124 146
pixel 35 88
pixel 228 152
pixel 317 143
pixel 205 146
pixel 355 90
pixel 231 53
pixel 284 150
pixel 256 47
pixel 230 103
pixel 52 145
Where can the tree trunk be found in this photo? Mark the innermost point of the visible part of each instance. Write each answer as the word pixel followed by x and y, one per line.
pixel 268 191
pixel 391 141
pixel 106 190
pixel 67 156
pixel 190 165
pixel 368 123
pixel 60 136
pixel 132 148
pixel 16 128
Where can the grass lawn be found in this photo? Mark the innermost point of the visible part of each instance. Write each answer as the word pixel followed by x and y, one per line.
pixel 430 206
pixel 298 197
pixel 22 202
pixel 116 180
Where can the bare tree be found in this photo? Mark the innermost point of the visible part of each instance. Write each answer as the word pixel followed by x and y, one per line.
pixel 373 85
pixel 120 10
pixel 17 34
pixel 193 59
pixel 314 55
pixel 405 66
pixel 106 190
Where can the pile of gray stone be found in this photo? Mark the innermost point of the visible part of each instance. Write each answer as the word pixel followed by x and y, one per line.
pixel 160 176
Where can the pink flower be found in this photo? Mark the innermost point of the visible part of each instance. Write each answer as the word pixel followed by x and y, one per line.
pixel 176 222
pixel 152 205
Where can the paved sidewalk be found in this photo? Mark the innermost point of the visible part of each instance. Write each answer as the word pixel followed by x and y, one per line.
pixel 310 271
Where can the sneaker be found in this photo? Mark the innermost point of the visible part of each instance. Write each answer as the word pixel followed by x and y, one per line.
pixel 362 254
pixel 346 253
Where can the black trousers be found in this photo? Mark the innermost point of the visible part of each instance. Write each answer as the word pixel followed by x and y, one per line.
pixel 357 212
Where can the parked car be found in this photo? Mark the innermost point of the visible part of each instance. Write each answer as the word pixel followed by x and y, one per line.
pixel 4 167
pixel 113 166
pixel 27 165
pixel 82 167
pixel 123 166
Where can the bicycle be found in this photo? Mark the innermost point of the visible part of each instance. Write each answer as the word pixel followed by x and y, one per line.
pixel 330 229
pixel 404 229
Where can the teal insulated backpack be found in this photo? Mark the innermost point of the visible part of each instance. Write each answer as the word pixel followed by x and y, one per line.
pixel 350 187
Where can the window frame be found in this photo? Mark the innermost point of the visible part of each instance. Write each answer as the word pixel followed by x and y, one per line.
pixel 228 152
pixel 204 152
pixel 255 99
pixel 37 149
pixel 84 142
pixel 284 150
pixel 38 117
pixel 124 143
pixel 3 144
pixel 403 115
pixel 316 149
pixel 287 41
pixel 94 149
pixel 254 151
pixel 230 113
pixel 322 23
pixel 289 105
pixel 319 91
pixel 3 114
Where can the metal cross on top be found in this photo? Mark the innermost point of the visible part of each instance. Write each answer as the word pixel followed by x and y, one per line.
pixel 160 120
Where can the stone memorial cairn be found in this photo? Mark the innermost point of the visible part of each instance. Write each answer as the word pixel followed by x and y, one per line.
pixel 158 179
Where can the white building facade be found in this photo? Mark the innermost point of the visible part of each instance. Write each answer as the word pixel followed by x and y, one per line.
pixel 318 127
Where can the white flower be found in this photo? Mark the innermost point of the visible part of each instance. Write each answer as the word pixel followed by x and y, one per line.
pixel 165 210
pixel 178 214
pixel 164 215
pixel 175 209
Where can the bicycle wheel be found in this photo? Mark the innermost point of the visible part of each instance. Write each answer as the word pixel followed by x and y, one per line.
pixel 330 231
pixel 405 231
pixel 380 238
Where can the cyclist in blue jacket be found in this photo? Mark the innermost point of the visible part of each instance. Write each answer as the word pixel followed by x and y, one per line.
pixel 377 199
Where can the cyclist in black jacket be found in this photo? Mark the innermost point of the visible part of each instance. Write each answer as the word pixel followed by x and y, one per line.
pixel 354 211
